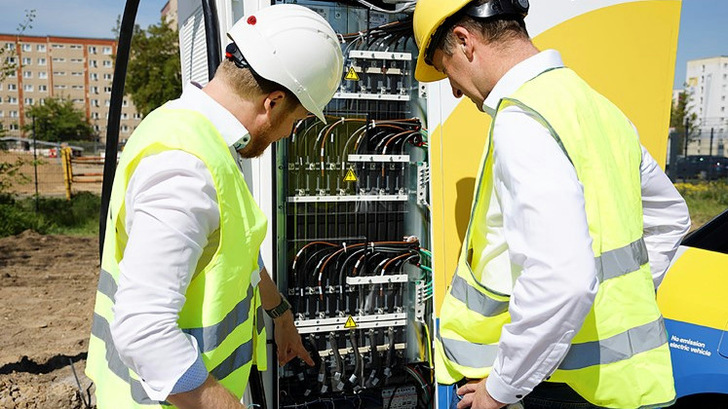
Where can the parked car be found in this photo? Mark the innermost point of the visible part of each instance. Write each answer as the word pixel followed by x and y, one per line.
pixel 701 167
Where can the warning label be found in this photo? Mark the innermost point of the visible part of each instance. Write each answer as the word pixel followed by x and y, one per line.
pixel 352 75
pixel 350 176
pixel 350 323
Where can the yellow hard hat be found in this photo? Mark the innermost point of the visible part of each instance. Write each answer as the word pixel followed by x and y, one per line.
pixel 431 14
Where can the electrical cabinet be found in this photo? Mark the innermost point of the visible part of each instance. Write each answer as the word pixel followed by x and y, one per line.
pixel 353 227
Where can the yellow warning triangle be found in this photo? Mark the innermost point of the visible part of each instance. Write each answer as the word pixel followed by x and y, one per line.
pixel 350 176
pixel 352 75
pixel 350 323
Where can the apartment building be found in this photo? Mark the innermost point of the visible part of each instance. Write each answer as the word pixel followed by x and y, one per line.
pixel 80 69
pixel 706 83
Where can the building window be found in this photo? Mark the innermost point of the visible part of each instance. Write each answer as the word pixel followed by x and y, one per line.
pixel 75 46
pixel 96 128
pixel 94 90
pixel 27 74
pixel 107 63
pixel 59 73
pixel 10 60
pixel 107 103
pixel 59 59
pixel 11 74
pixel 27 47
pixel 13 100
pixel 13 114
pixel 137 115
pixel 124 115
pixel 76 74
pixel 42 88
pixel 94 76
pixel 107 50
pixel 78 101
pixel 43 75
pixel 95 115
pixel 107 90
pixel 125 103
pixel 58 46
pixel 93 64
pixel 77 86
pixel 28 101
pixel 125 128
pixel 40 47
pixel 41 61
pixel 12 87
pixel 28 87
pixel 2 114
pixel 94 102
pixel 107 76
pixel 10 46
pixel 91 49
pixel 77 60
pixel 27 61
pixel 59 86
pixel 14 126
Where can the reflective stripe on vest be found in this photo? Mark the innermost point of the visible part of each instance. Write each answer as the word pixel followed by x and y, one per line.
pixel 606 351
pixel 210 337
pixel 610 264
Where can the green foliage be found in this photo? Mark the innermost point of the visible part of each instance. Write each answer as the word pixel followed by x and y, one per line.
pixel 705 200
pixel 154 75
pixel 9 57
pixel 58 120
pixel 683 123
pixel 10 174
pixel 79 216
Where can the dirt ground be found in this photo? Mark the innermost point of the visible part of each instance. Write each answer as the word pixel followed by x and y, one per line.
pixel 47 288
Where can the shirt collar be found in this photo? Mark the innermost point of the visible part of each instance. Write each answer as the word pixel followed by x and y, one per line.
pixel 521 73
pixel 232 131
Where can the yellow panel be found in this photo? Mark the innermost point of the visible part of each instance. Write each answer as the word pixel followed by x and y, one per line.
pixel 694 289
pixel 626 52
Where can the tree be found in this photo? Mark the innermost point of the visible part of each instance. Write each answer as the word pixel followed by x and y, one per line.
pixel 154 75
pixel 9 56
pixel 683 122
pixel 58 120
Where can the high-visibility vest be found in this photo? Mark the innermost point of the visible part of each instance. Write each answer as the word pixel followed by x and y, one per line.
pixel 222 310
pixel 620 356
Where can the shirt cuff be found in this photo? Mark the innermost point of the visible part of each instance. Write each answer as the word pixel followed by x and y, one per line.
pixel 501 391
pixel 192 379
pixel 255 277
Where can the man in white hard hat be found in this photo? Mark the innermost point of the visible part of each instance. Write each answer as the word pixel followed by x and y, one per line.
pixel 572 229
pixel 177 319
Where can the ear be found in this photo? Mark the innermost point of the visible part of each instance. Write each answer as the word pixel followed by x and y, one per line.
pixel 274 101
pixel 465 41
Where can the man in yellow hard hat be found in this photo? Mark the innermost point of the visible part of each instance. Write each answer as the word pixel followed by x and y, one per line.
pixel 178 320
pixel 572 228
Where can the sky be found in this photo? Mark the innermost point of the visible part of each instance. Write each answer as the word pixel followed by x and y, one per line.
pixel 703 28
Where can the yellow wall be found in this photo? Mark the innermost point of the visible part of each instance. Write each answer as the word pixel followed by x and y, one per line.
pixel 625 51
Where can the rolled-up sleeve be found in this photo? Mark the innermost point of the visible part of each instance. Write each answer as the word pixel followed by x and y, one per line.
pixel 171 210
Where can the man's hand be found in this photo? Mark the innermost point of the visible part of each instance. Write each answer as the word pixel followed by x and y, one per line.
pixel 210 395
pixel 288 341
pixel 476 396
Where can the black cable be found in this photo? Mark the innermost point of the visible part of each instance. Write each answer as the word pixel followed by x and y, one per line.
pixel 112 126
pixel 212 37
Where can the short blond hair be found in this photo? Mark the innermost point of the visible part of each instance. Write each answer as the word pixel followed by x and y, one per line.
pixel 247 84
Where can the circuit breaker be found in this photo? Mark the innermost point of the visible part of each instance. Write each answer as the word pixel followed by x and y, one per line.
pixel 353 227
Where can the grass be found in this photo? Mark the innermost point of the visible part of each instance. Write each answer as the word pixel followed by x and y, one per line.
pixel 705 200
pixel 79 216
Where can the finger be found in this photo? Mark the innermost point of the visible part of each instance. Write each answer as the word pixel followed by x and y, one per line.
pixel 466 401
pixel 305 356
pixel 467 388
pixel 286 356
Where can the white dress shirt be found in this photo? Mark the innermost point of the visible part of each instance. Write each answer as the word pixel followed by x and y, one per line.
pixel 537 230
pixel 172 219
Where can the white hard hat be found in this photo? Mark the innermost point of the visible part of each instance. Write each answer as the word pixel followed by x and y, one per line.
pixel 294 47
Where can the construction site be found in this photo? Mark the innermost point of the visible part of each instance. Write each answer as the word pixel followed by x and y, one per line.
pixel 369 202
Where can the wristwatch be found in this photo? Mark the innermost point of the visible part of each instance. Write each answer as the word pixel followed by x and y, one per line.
pixel 280 309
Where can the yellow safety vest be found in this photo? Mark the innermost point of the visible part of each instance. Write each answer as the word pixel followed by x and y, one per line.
pixel 620 357
pixel 222 310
